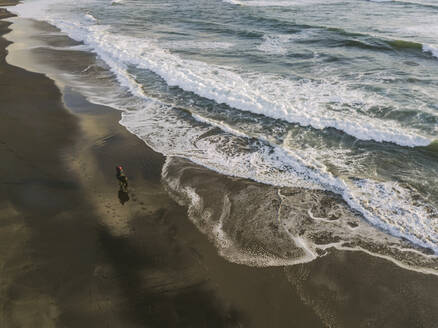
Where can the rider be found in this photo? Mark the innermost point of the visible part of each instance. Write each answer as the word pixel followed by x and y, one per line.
pixel 122 177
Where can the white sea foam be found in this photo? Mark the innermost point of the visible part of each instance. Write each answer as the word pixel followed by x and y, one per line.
pixel 431 49
pixel 79 47
pixel 186 44
pixel 275 44
pixel 410 2
pixel 90 17
pixel 279 43
pixel 302 102
pixel 260 3
pixel 286 3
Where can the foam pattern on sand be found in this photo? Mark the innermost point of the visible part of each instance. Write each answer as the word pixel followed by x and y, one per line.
pixel 262 225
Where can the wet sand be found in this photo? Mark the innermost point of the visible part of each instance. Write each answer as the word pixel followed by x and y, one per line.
pixel 77 253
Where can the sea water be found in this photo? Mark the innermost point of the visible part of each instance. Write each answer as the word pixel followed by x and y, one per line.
pixel 324 96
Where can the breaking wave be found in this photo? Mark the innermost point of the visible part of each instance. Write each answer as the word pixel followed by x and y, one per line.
pixel 296 101
pixel 432 50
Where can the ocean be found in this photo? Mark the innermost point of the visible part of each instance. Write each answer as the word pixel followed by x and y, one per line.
pixel 332 105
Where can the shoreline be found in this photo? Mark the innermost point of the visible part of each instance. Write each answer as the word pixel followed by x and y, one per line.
pixel 352 228
pixel 152 230
pixel 97 262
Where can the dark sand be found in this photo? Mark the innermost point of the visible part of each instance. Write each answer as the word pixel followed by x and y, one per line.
pixel 71 255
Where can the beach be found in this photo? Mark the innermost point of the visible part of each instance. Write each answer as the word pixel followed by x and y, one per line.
pixel 74 256
pixel 77 252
